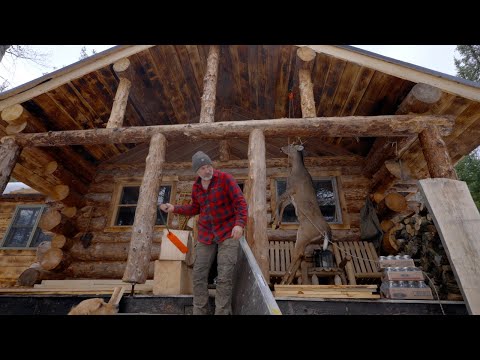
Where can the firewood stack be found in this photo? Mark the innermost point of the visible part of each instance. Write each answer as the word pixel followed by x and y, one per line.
pixel 417 236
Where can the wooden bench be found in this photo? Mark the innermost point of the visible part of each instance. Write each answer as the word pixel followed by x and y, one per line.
pixel 360 261
pixel 280 255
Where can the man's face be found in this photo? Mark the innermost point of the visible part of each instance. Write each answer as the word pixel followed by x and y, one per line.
pixel 205 172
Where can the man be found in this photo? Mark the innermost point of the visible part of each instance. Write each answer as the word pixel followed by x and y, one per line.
pixel 219 200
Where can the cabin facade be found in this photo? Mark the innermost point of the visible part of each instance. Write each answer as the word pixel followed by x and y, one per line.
pixel 109 138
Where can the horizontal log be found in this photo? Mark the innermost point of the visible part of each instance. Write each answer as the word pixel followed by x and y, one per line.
pixel 35 274
pixel 101 270
pixel 108 251
pixel 349 126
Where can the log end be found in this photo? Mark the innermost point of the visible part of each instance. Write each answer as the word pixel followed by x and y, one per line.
pixel 121 65
pixel 29 277
pixel 11 113
pixel 15 129
pixel 306 54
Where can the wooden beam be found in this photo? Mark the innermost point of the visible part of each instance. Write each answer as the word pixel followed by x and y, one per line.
pixel 67 74
pixel 9 152
pixel 257 201
pixel 138 260
pixel 458 223
pixel 207 112
pixel 419 100
pixel 305 85
pixel 403 72
pixel 436 154
pixel 366 126
pixel 119 104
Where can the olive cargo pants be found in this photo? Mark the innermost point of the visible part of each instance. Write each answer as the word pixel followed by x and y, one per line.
pixel 226 260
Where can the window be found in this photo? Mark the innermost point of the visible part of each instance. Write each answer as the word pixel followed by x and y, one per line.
pixel 327 198
pixel 127 204
pixel 24 231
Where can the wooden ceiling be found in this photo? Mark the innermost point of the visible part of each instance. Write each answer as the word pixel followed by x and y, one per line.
pixel 254 82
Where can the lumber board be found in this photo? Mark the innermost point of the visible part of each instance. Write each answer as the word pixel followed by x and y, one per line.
pixel 458 223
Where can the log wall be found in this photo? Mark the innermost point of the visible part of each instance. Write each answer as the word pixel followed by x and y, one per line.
pixel 109 245
pixel 13 261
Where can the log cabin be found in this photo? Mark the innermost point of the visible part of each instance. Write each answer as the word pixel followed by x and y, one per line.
pixel 108 138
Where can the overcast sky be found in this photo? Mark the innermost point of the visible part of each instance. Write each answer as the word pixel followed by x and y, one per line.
pixel 435 57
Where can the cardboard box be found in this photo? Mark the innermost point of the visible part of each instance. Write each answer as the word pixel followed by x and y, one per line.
pixel 403 275
pixel 172 277
pixel 408 293
pixel 395 263
pixel 168 251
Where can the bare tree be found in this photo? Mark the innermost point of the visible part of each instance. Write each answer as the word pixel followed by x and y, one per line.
pixel 23 52
pixel 3 49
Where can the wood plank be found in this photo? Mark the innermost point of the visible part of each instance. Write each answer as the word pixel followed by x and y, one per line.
pixel 282 256
pixel 271 254
pixel 365 256
pixel 342 296
pixel 345 87
pixel 372 260
pixel 289 246
pixel 359 256
pixel 350 249
pixel 458 222
pixel 277 256
pixel 332 82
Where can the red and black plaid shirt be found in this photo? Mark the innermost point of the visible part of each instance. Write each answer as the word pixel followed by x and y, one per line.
pixel 221 207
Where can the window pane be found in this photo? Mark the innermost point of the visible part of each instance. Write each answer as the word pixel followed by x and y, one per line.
pixel 130 195
pixel 26 216
pixel 164 194
pixel 18 237
pixel 39 237
pixel 326 199
pixel 163 197
pixel 126 215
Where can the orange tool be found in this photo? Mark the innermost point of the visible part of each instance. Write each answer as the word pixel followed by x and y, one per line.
pixel 173 238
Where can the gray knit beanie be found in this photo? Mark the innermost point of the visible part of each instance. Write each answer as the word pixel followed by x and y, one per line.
pixel 199 159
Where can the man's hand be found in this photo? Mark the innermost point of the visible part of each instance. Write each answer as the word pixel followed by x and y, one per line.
pixel 167 207
pixel 237 232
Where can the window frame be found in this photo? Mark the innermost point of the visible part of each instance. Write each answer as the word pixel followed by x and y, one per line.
pixel 116 197
pixel 34 227
pixel 342 213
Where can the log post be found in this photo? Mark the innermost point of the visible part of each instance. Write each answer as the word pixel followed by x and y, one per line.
pixel 224 150
pixel 257 201
pixel 418 101
pixel 305 83
pixel 436 154
pixel 146 213
pixel 207 112
pixel 119 104
pixel 9 152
